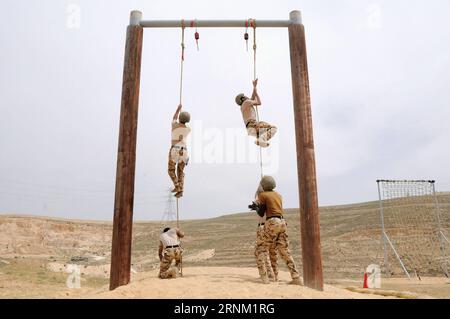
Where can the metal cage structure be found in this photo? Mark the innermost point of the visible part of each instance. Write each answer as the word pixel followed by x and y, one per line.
pixel 412 229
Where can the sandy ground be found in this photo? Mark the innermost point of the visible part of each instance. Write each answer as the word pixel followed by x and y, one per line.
pixel 23 278
pixel 222 282
pixel 34 253
pixel 427 287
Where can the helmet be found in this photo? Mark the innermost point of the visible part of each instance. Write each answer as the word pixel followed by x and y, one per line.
pixel 268 183
pixel 240 98
pixel 184 117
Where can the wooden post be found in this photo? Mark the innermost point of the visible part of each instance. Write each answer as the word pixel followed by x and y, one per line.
pixel 126 157
pixel 306 167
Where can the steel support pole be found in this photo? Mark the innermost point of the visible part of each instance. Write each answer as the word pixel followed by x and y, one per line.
pixel 383 231
pixel 213 23
pixel 441 235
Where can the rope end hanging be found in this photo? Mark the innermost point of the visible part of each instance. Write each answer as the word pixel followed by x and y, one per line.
pixel 178 215
pixel 196 34
pixel 246 34
pixel 182 39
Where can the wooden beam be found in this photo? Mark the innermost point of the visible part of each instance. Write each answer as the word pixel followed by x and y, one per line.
pixel 126 158
pixel 306 167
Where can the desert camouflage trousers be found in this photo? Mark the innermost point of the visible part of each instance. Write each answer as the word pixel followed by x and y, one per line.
pixel 263 131
pixel 275 235
pixel 178 159
pixel 165 269
pixel 271 266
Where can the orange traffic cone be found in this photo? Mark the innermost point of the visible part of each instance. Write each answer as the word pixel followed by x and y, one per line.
pixel 365 285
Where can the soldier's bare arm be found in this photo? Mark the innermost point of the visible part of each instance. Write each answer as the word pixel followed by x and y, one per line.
pixel 180 233
pixel 160 251
pixel 257 99
pixel 177 113
pixel 255 96
pixel 259 190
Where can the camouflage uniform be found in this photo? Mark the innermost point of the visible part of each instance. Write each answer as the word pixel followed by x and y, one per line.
pixel 262 130
pixel 275 234
pixel 165 269
pixel 177 155
pixel 270 268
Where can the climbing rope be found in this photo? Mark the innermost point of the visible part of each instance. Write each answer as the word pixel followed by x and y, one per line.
pixel 181 98
pixel 181 83
pixel 253 25
pixel 181 247
pixel 178 215
pixel 182 60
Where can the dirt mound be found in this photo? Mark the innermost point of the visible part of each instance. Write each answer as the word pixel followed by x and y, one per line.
pixel 222 282
pixel 200 256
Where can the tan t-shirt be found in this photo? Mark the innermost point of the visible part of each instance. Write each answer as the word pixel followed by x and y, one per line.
pixel 273 202
pixel 179 134
pixel 248 111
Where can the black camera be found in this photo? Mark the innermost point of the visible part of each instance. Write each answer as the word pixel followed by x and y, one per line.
pixel 258 208
pixel 253 206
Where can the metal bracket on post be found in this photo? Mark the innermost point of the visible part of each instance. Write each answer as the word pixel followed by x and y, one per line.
pixel 135 17
pixel 295 17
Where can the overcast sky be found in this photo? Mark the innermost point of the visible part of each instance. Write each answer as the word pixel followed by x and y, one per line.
pixel 379 78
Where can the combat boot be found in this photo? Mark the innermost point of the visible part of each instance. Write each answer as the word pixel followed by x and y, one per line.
pixel 262 143
pixel 172 273
pixel 295 281
pixel 179 194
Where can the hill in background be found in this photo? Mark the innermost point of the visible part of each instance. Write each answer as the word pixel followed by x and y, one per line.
pixel 350 241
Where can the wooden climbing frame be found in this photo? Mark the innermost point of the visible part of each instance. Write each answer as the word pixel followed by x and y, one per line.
pixel 126 158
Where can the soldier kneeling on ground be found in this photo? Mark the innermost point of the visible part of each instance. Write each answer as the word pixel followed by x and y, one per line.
pixel 274 230
pixel 170 250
